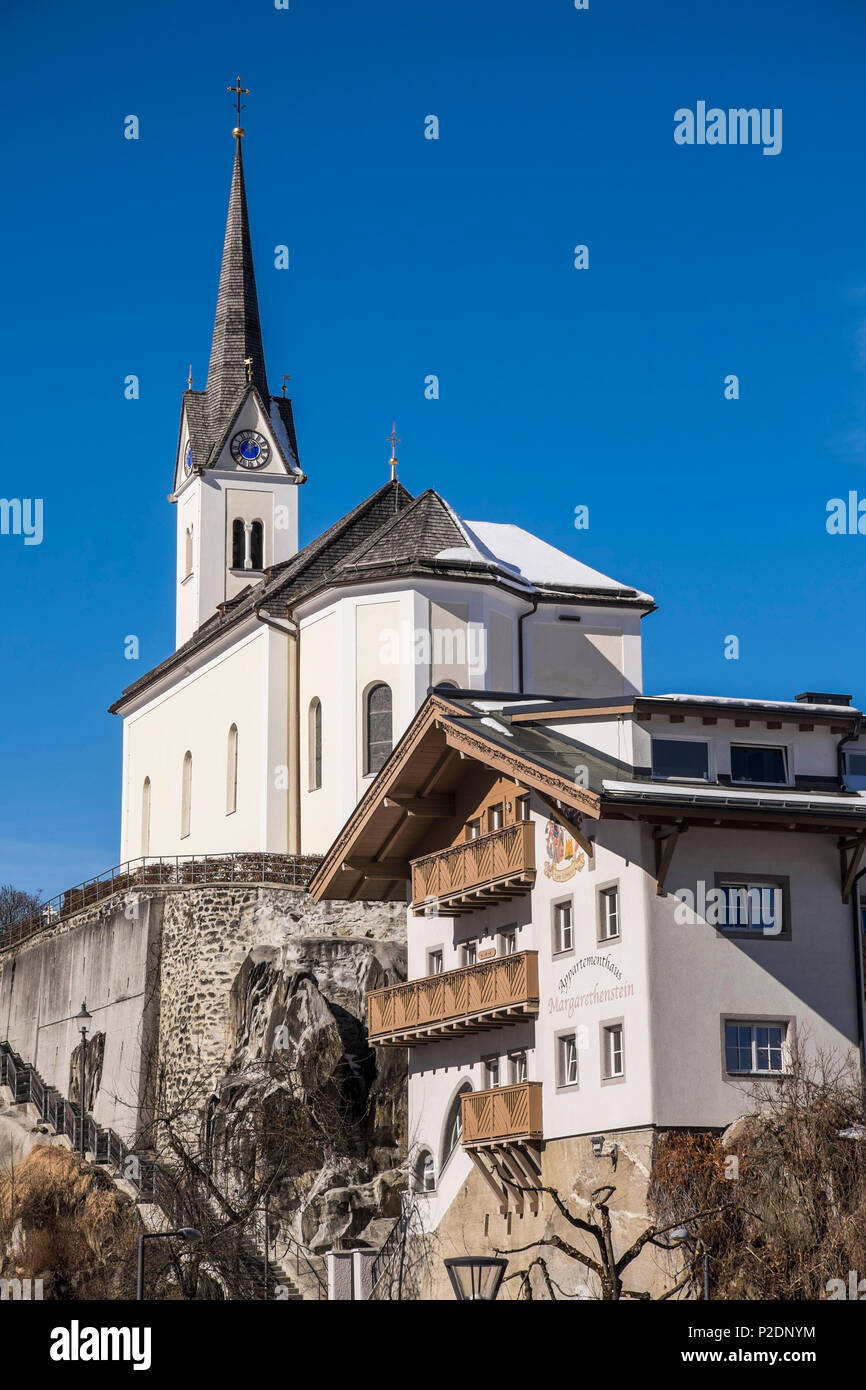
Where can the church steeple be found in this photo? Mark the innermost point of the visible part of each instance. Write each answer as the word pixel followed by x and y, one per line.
pixel 237 356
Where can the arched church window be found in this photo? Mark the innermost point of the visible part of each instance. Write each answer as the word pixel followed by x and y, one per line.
pixel 378 728
pixel 145 817
pixel 232 771
pixel 186 795
pixel 257 545
pixel 314 745
pixel 237 544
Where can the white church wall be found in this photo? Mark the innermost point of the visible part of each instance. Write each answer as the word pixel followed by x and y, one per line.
pixel 320 657
pixel 195 715
pixel 187 578
pixel 598 656
pixel 379 628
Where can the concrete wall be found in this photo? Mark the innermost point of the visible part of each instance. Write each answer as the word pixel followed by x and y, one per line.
pixel 108 955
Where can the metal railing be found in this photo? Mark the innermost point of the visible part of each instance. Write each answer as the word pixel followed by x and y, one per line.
pixel 472 992
pixel 503 854
pixel 284 870
pixel 150 1179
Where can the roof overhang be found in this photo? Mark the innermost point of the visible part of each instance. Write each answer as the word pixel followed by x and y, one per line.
pixel 369 857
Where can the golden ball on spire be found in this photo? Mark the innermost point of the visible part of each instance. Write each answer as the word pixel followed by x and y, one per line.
pixel 239 132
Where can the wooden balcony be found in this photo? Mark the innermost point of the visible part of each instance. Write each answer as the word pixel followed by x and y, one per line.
pixel 468 1000
pixel 493 868
pixel 505 1115
pixel 502 1134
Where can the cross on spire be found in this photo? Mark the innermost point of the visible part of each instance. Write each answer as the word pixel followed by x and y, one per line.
pixel 239 92
pixel 393 440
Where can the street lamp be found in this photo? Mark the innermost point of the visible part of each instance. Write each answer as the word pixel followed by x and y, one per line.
pixel 82 1019
pixel 476 1277
pixel 183 1233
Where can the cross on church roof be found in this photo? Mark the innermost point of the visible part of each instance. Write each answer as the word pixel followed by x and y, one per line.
pixel 393 440
pixel 239 92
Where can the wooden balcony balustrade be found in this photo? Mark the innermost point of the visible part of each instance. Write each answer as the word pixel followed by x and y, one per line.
pixel 503 1115
pixel 493 868
pixel 467 1000
pixel 502 1134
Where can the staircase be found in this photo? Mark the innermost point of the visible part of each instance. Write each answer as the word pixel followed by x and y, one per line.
pixel 149 1179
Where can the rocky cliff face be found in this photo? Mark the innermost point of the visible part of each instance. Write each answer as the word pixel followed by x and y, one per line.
pixel 305 1097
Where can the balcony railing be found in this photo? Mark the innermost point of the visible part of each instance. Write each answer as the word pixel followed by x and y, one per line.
pixel 468 1000
pixel 505 1115
pixel 492 868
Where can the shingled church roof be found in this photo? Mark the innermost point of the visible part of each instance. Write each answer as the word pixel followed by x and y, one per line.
pixel 237 339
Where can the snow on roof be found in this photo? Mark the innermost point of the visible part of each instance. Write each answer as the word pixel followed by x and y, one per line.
pixel 787 797
pixel 795 705
pixel 528 557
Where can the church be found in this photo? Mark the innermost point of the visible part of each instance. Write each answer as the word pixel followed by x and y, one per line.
pixel 295 672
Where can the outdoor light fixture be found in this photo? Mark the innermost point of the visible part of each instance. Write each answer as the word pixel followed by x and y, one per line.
pixel 182 1233
pixel 597 1142
pixel 82 1019
pixel 476 1277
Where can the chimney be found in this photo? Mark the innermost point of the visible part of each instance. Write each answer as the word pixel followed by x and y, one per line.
pixel 820 697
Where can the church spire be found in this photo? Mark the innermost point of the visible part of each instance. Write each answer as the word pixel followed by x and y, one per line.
pixel 237 355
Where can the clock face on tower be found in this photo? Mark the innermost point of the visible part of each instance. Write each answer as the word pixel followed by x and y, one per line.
pixel 250 450
pixel 187 461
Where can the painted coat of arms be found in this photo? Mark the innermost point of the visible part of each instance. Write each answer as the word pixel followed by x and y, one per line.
pixel 564 858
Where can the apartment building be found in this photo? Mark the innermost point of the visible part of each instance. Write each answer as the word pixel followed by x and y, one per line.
pixel 621 915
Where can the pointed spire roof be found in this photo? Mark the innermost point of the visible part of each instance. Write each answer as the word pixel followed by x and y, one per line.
pixel 237 332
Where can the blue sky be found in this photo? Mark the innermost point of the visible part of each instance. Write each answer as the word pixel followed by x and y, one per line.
pixel 558 387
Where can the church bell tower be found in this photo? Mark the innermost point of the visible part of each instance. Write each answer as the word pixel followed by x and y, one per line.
pixel 237 469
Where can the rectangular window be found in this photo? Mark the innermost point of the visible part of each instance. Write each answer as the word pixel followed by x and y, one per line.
pixel 469 953
pixel 752 906
pixel 494 817
pixel 434 962
pixel 491 1073
pixel 522 808
pixel 755 1047
pixel 563 927
pixel 508 941
pixel 517 1067
pixel 855 770
pixel 613 1053
pixel 681 760
pixel 753 763
pixel 566 1066
pixel 473 829
pixel 608 906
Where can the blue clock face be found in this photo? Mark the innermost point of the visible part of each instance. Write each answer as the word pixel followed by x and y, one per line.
pixel 187 462
pixel 250 450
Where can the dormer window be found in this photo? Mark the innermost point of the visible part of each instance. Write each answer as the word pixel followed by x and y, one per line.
pixel 680 760
pixel 855 771
pixel 751 762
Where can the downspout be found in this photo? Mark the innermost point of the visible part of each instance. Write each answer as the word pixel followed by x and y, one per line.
pixel 849 738
pixel 520 622
pixel 861 983
pixel 294 735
